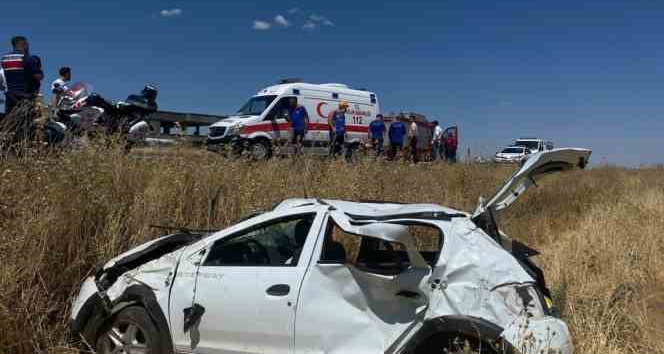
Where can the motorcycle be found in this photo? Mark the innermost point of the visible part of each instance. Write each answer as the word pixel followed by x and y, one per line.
pixel 86 112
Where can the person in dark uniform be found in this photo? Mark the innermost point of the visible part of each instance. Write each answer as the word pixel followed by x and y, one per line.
pixel 396 134
pixel 377 133
pixel 299 119
pixel 336 120
pixel 23 73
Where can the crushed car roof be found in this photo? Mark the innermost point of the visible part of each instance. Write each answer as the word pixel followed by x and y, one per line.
pixel 377 210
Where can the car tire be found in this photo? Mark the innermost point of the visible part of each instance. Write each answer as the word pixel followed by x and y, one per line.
pixel 132 330
pixel 260 150
pixel 457 343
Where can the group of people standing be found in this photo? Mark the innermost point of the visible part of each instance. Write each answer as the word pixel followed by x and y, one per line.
pixel 399 134
pixel 443 147
pixel 21 75
pixel 336 120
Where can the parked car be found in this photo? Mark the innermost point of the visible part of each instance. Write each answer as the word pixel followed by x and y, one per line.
pixel 330 276
pixel 512 154
pixel 534 144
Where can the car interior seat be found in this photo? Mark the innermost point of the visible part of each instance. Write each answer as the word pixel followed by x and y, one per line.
pixel 300 234
pixel 334 252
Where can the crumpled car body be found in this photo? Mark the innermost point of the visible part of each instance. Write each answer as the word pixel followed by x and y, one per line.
pixel 330 276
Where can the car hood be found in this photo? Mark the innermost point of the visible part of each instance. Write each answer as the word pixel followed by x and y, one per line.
pixel 142 254
pixel 502 154
pixel 236 120
pixel 536 165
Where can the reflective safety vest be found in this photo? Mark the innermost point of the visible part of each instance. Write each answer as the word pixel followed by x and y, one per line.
pixel 18 70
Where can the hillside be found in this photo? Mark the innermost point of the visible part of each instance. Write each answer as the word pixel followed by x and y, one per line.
pixel 599 231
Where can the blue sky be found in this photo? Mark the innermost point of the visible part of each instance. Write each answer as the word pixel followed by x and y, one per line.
pixel 581 73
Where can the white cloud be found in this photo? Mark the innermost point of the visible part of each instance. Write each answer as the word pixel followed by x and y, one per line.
pixel 281 21
pixel 174 12
pixel 261 25
pixel 309 26
pixel 295 10
pixel 321 19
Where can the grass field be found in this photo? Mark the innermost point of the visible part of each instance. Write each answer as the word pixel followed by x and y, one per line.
pixel 600 231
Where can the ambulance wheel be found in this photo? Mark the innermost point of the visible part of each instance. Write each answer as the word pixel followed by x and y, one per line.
pixel 260 150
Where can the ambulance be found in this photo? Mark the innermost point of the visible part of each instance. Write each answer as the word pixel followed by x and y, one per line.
pixel 262 124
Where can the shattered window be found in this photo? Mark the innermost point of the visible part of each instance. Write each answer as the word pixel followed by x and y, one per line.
pixel 340 246
pixel 276 243
pixel 377 255
pixel 428 240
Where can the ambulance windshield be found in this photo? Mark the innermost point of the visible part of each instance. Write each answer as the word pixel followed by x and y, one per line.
pixel 256 105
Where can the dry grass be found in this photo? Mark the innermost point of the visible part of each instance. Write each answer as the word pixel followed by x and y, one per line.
pixel 600 231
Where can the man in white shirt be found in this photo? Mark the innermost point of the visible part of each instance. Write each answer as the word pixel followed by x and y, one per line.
pixel 437 141
pixel 3 86
pixel 412 135
pixel 60 85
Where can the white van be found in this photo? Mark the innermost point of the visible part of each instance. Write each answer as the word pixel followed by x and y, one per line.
pixel 262 122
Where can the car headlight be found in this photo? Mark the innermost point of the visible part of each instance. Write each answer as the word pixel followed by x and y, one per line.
pixel 523 299
pixel 233 130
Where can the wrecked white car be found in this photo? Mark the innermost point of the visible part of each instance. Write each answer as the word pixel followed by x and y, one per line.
pixel 328 276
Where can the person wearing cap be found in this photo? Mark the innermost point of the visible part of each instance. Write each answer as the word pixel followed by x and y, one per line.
pixel 337 123
pixel 376 133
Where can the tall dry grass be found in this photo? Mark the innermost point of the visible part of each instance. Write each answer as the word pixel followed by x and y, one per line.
pixel 600 231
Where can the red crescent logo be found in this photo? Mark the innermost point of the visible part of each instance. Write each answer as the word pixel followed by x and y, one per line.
pixel 319 107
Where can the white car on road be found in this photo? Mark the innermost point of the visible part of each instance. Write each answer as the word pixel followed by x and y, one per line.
pixel 512 154
pixel 330 276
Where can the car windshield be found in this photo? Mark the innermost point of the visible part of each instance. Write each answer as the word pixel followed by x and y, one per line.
pixel 256 105
pixel 513 150
pixel 530 144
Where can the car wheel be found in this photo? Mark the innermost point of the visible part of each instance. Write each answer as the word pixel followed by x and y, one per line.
pixel 131 331
pixel 457 343
pixel 260 150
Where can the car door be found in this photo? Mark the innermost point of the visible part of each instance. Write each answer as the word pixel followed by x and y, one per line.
pixel 352 302
pixel 279 119
pixel 247 284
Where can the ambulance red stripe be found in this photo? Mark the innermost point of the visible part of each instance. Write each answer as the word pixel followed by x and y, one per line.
pixel 271 127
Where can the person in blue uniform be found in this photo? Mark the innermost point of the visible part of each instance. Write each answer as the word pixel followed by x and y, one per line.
pixel 377 133
pixel 299 119
pixel 22 72
pixel 337 122
pixel 396 133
